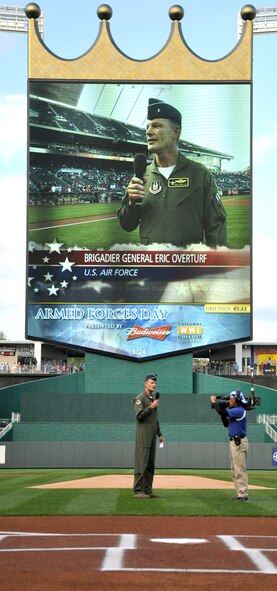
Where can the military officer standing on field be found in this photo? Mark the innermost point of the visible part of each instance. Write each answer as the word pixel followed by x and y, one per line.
pixel 177 202
pixel 147 430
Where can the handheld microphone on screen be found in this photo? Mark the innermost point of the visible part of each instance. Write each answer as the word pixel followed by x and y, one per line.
pixel 140 163
pixel 157 395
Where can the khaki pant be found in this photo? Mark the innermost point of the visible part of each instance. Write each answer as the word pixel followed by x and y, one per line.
pixel 238 455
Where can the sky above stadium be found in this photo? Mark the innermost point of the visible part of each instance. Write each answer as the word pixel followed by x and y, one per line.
pixel 209 112
pixel 139 29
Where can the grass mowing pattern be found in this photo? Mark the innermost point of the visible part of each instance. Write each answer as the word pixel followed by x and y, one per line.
pixel 92 235
pixel 17 499
pixel 67 212
pixel 238 226
pixel 105 233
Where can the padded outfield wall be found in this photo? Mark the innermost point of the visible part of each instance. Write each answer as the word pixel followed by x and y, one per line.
pixel 86 419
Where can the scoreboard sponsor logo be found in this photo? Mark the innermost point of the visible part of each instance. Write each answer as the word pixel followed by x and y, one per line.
pixel 190 331
pixel 155 332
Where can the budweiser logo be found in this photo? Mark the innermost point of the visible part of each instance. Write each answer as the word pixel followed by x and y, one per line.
pixel 156 332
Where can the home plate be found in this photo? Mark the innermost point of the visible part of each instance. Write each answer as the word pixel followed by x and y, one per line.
pixel 179 540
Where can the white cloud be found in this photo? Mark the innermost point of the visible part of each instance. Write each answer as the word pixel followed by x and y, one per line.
pixel 263 269
pixel 265 144
pixel 265 331
pixel 12 255
pixel 264 292
pixel 13 144
pixel 13 126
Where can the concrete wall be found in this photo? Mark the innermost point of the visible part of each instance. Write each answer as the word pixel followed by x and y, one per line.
pixel 119 454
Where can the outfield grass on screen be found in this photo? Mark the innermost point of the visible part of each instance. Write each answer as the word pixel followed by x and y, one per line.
pixel 79 225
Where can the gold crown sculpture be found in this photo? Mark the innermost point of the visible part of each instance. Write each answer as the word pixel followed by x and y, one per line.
pixel 105 61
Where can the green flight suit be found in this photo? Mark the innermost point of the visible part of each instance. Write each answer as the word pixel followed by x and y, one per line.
pixel 184 209
pixel 147 430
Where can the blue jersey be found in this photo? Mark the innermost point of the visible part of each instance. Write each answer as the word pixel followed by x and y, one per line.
pixel 238 421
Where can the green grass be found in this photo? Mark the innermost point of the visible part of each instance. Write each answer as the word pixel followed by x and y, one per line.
pixel 66 212
pixel 92 235
pixel 17 499
pixel 238 225
pixel 104 234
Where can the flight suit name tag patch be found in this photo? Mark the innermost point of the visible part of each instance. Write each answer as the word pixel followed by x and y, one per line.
pixel 155 187
pixel 175 182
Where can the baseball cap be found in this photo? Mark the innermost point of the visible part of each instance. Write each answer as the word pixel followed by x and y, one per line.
pixel 238 395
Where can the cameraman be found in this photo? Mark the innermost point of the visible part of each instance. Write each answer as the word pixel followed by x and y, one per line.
pixel 233 416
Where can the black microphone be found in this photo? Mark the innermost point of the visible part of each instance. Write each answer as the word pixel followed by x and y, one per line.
pixel 157 395
pixel 140 164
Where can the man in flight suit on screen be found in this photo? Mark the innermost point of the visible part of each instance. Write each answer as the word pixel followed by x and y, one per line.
pixel 177 202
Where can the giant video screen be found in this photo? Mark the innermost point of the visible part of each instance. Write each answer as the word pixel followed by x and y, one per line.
pixel 168 272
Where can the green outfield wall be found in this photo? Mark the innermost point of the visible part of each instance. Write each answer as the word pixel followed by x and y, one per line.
pixel 86 419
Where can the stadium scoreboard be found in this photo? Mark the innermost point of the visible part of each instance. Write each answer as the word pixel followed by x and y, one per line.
pixel 90 284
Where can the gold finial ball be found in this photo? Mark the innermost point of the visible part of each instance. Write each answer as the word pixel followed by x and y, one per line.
pixel 248 12
pixel 104 12
pixel 176 12
pixel 32 10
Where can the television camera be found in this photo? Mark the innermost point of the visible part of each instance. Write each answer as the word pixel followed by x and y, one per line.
pixel 249 403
